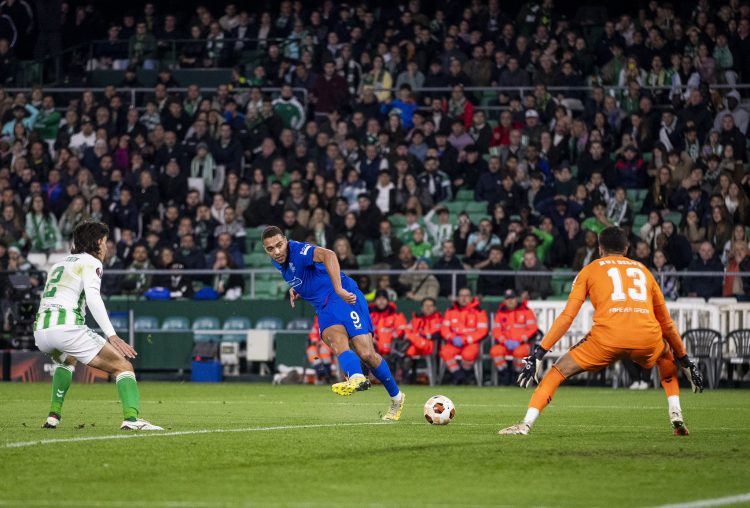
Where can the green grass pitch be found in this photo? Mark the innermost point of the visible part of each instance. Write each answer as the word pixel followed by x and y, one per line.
pixel 262 445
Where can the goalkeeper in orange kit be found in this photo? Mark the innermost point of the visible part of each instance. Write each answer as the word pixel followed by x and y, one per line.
pixel 631 320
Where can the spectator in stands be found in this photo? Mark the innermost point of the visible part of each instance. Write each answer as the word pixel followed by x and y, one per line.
pixel 419 283
pixel 733 284
pixel 138 282
pixel 537 241
pixel 707 261
pixel 179 285
pixel 588 252
pixel 494 285
pixel 387 245
pixel 479 243
pixel 227 286
pixel 532 286
pixel 41 231
pixel 347 259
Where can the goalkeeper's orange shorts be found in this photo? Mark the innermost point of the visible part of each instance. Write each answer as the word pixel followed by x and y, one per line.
pixel 591 355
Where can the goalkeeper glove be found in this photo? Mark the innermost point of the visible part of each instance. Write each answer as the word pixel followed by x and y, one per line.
pixel 692 373
pixel 458 341
pixel 532 366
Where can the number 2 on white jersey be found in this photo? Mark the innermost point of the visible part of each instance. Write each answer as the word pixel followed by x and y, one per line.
pixel 638 279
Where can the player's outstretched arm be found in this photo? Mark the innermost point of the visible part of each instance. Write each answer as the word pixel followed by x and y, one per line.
pixel 331 262
pixel 92 289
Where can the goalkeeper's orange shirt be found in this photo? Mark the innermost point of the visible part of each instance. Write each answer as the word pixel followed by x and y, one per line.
pixel 629 307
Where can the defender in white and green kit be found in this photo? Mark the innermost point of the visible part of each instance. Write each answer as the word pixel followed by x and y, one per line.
pixel 60 327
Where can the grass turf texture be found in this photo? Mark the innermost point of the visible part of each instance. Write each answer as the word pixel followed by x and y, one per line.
pixel 591 447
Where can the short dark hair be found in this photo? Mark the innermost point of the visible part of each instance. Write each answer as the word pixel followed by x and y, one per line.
pixel 270 232
pixel 86 237
pixel 613 239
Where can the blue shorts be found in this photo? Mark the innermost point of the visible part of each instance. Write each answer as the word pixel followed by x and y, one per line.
pixel 355 318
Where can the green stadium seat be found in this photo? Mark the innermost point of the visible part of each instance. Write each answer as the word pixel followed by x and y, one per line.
pixel 574 170
pixel 368 248
pixel 638 221
pixel 253 234
pixel 365 260
pixel 464 195
pixel 456 207
pixel 176 323
pixel 269 323
pixel 675 217
pixel 648 157
pixel 476 206
pixel 557 298
pixel 478 216
pixel 145 323
pixel 299 324
pixel 397 220
pixel 268 289
pixel 256 260
pixel 239 323
pixel 205 323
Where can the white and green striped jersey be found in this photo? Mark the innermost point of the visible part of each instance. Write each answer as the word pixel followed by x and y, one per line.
pixel 70 283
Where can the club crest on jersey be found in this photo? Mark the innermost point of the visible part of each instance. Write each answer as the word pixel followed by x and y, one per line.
pixel 99 272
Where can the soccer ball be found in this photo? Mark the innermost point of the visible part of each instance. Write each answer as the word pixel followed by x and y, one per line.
pixel 439 410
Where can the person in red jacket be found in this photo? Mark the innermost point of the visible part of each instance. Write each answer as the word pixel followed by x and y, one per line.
pixel 319 355
pixel 515 325
pixel 421 333
pixel 389 324
pixel 464 327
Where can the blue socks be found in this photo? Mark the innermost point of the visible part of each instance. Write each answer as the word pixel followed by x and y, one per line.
pixel 383 373
pixel 349 363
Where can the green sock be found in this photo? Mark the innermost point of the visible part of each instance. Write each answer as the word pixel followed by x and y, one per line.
pixel 61 380
pixel 127 388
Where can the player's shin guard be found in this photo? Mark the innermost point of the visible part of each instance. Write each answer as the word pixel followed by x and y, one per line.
pixel 127 388
pixel 668 375
pixel 349 363
pixel 61 380
pixel 546 389
pixel 383 374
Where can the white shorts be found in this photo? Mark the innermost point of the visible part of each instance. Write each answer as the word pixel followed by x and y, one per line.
pixel 63 341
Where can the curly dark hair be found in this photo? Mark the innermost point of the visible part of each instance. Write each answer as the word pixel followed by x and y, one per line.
pixel 86 237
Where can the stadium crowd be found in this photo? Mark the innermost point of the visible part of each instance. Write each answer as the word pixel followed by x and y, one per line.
pixel 375 141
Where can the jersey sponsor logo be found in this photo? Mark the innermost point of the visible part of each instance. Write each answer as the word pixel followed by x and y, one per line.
pixel 305 249
pixel 294 282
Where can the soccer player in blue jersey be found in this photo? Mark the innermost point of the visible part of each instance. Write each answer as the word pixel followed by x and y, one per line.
pixel 313 274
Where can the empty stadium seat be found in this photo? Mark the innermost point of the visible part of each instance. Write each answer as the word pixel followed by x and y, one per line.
pixel 176 323
pixel 120 322
pixel 205 323
pixel 269 323
pixel 465 195
pixel 299 324
pixel 266 288
pixel 365 260
pixel 256 260
pixel 144 323
pixel 239 325
pixel 476 207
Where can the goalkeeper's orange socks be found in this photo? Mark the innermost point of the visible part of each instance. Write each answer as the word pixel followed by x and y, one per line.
pixel 543 394
pixel 61 380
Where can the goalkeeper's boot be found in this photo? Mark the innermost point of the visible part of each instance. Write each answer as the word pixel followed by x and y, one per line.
pixel 519 429
pixel 394 412
pixel 53 420
pixel 139 424
pixel 356 383
pixel 678 424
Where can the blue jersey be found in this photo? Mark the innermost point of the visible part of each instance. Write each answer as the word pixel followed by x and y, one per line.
pixel 313 284
pixel 308 278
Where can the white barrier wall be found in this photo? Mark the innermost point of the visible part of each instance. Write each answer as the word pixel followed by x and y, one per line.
pixel 721 314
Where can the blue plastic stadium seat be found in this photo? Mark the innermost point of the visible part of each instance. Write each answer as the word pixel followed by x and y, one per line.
pixel 238 323
pixel 205 323
pixel 269 323
pixel 299 324
pixel 176 323
pixel 143 323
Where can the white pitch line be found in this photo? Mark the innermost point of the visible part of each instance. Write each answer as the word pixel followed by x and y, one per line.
pixel 23 444
pixel 717 501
